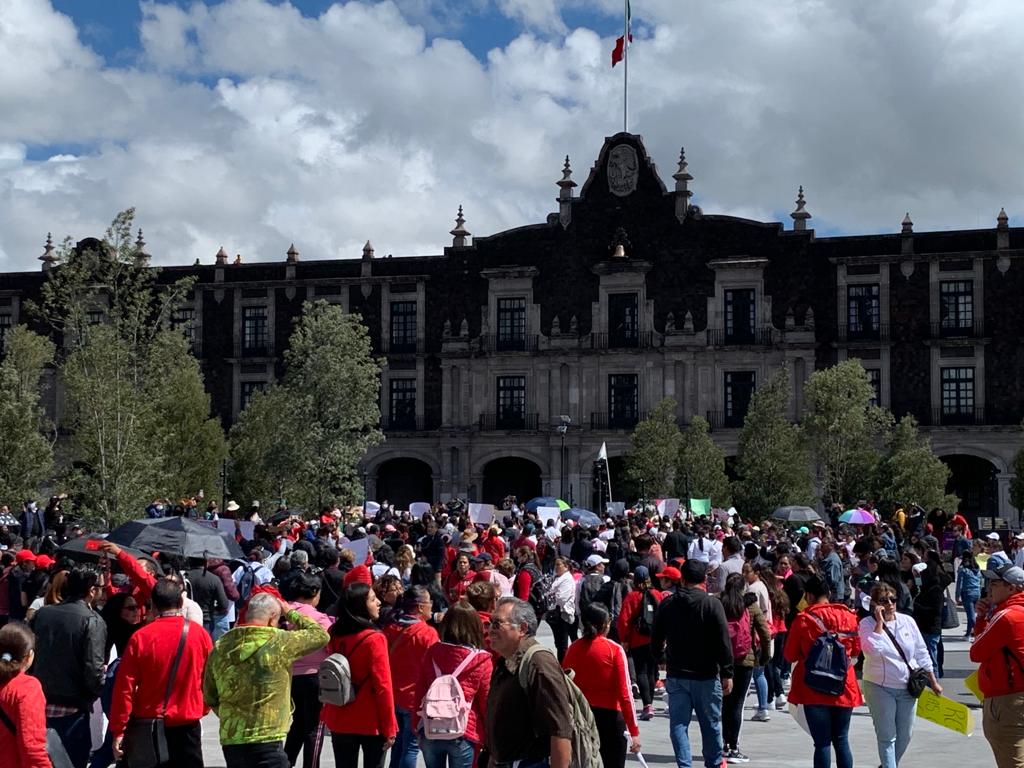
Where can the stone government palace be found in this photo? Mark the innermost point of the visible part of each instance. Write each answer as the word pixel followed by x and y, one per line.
pixel 510 359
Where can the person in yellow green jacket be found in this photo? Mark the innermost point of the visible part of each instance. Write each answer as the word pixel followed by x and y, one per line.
pixel 248 679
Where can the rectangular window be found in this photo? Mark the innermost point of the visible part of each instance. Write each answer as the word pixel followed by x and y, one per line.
pixel 739 316
pixel 94 316
pixel 5 328
pixel 511 411
pixel 623 320
pixel 863 311
pixel 402 406
pixel 739 388
pixel 255 339
pixel 623 400
pixel 957 394
pixel 248 389
pixel 512 323
pixel 875 377
pixel 956 306
pixel 183 319
pixel 403 326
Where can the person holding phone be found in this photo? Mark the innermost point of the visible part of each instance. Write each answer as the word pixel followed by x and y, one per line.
pixel 892 645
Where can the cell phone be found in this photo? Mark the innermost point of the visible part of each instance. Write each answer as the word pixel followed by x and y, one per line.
pixel 92 545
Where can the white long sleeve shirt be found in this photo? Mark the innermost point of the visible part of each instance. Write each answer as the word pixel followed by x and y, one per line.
pixel 882 663
pixel 706 550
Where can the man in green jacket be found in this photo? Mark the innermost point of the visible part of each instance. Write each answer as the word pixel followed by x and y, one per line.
pixel 248 680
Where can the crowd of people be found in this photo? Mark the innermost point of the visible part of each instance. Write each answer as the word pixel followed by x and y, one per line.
pixel 427 644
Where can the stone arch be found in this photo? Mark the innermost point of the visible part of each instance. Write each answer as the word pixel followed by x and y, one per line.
pixel 403 480
pixel 974 479
pixel 509 474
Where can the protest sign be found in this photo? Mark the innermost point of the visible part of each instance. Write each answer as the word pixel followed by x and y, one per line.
pixel 247 527
pixel 481 514
pixel 945 712
pixel 419 508
pixel 700 507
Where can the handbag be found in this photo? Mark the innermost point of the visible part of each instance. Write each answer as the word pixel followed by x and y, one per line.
pixel 950 620
pixel 145 739
pixel 54 746
pixel 919 679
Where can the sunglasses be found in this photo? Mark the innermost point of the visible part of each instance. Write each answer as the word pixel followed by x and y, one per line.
pixel 886 600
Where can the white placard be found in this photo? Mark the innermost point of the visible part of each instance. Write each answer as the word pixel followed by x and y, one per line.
pixel 370 509
pixel 548 513
pixel 668 507
pixel 361 547
pixel 247 528
pixel 615 508
pixel 419 508
pixel 482 514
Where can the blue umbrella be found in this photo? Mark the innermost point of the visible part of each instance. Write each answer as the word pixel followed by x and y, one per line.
pixel 581 517
pixel 544 501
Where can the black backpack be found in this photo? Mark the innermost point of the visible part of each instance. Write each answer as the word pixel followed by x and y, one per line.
pixel 245 584
pixel 590 590
pixel 826 664
pixel 643 623
pixel 539 586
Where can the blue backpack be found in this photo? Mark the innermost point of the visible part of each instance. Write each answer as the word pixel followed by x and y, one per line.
pixel 827 663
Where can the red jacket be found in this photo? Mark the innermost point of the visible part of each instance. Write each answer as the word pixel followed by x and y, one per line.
pixel 494 545
pixel 999 649
pixel 407 645
pixel 142 580
pixel 455 586
pixel 628 635
pixel 372 712
pixel 475 681
pixel 21 699
pixel 522 583
pixel 802 635
pixel 141 680
pixel 602 675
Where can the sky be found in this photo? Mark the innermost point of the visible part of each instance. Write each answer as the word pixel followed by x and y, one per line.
pixel 253 124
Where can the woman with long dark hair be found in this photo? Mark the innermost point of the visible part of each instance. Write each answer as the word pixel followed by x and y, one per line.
pixel 562 599
pixel 21 701
pixel 634 633
pixel 780 607
pixel 368 722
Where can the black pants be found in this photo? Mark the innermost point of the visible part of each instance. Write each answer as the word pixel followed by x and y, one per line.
pixel 185 745
pixel 732 706
pixel 646 672
pixel 773 669
pixel 305 718
pixel 562 630
pixel 266 755
pixel 610 727
pixel 347 746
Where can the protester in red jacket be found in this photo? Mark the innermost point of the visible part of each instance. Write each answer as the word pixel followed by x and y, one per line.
pixel 493 544
pixel 23 741
pixel 409 638
pixel 140 572
pixel 141 684
pixel 461 641
pixel 367 723
pixel 828 717
pixel 459 579
pixel 637 643
pixel 602 675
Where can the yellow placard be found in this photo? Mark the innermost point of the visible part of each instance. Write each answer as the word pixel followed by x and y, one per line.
pixel 945 712
pixel 971 681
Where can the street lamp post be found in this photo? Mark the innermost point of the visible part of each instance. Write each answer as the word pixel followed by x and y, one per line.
pixel 562 429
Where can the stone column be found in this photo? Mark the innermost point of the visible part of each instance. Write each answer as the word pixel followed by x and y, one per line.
pixel 1006 510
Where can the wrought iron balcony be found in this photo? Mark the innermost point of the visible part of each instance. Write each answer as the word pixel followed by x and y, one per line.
pixel 723 420
pixel 951 329
pixel 509 421
pixel 390 347
pixel 877 333
pixel 748 337
pixel 608 421
pixel 496 342
pixel 619 340
pixel 942 417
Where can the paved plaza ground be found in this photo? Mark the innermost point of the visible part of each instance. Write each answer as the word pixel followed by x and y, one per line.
pixel 781 742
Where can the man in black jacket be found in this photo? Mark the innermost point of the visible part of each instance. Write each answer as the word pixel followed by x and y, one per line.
pixel 70 660
pixel 691 631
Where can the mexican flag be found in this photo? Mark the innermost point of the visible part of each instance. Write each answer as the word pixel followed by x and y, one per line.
pixel 620 42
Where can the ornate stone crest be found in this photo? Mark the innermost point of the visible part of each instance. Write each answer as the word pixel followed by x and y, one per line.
pixel 623 170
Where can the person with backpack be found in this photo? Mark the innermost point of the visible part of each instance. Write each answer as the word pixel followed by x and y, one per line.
pixel 589 587
pixel 529 583
pixel 600 671
pixel 750 639
pixel 561 612
pixel 409 638
pixel 451 691
pixel 823 645
pixel 367 722
pixel 635 626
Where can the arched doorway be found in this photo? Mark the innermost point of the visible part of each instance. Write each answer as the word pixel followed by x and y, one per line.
pixel 510 475
pixel 404 480
pixel 973 479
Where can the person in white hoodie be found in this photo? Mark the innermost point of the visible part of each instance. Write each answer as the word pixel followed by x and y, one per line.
pixel 883 636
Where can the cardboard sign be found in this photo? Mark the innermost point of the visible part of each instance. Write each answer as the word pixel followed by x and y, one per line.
pixel 360 546
pixel 482 514
pixel 700 507
pixel 419 508
pixel 615 508
pixel 668 507
pixel 549 513
pixel 370 509
pixel 945 712
pixel 247 528
pixel 971 683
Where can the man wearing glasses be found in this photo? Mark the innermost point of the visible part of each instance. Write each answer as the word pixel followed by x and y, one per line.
pixel 999 651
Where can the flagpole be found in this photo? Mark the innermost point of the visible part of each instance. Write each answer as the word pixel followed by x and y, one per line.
pixel 625 67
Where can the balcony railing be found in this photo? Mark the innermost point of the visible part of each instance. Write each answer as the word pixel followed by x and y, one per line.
pixel 622 340
pixel 399 424
pixel 942 417
pixel 606 420
pixel 510 422
pixel 498 343
pixel 877 333
pixel 723 420
pixel 389 347
pixel 256 350
pixel 952 330
pixel 756 337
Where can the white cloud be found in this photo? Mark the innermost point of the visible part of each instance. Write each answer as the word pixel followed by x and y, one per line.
pixel 249 125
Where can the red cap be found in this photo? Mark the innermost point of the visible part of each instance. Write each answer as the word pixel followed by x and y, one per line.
pixel 44 561
pixel 25 556
pixel 358 574
pixel 671 573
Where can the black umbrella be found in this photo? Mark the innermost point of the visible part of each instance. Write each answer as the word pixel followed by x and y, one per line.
pixel 78 550
pixel 177 536
pixel 796 514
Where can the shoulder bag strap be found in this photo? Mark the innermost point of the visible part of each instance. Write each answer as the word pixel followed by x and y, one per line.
pixel 465 662
pixel 7 721
pixel 174 666
pixel 899 649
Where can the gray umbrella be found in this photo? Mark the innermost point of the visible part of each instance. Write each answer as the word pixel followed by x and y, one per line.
pixel 177 536
pixel 795 514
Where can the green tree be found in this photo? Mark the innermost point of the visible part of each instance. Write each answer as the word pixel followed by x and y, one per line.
pixel 910 472
pixel 773 464
pixel 844 430
pixel 330 395
pixel 1017 483
pixel 26 450
pixel 655 449
pixel 700 472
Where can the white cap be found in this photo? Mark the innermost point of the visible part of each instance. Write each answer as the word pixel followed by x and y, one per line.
pixel 1019 536
pixel 918 567
pixel 993 536
pixel 595 560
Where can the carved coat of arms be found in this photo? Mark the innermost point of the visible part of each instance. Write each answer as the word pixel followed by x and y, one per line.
pixel 623 170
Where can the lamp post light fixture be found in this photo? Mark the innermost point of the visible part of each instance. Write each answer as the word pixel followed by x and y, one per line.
pixel 563 427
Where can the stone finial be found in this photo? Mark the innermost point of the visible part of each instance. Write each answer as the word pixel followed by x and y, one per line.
pixel 556 326
pixel 1002 233
pixel 688 322
pixel 48 258
pixel 1002 220
pixel 800 216
pixel 790 320
pixel 907 235
pixel 238 259
pixel 141 257
pixel 446 329
pixel 565 184
pixel 464 328
pixel 368 251
pixel 907 227
pixel 683 193
pixel 140 244
pixel 460 234
pixel 809 318
pixel 221 257
pixel 292 254
pixel 574 325
pixel 670 323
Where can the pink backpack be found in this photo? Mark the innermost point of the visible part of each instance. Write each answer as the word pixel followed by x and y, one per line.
pixel 445 711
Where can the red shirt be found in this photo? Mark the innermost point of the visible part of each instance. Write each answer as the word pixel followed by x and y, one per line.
pixel 475 681
pixel 802 635
pixel 142 580
pixel 372 712
pixel 456 585
pixel 494 545
pixel 998 674
pixel 521 585
pixel 601 673
pixel 21 699
pixel 407 645
pixel 628 635
pixel 141 681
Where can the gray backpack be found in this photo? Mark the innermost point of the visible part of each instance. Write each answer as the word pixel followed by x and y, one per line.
pixel 334 679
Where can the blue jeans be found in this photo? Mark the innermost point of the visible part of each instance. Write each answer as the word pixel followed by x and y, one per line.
pixel 761 686
pixel 892 712
pixel 969 602
pixel 932 641
pixel 457 752
pixel 75 735
pixel 406 747
pixel 830 727
pixel 705 698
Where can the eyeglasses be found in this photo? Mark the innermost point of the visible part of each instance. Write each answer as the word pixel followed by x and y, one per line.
pixel 498 623
pixel 886 600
